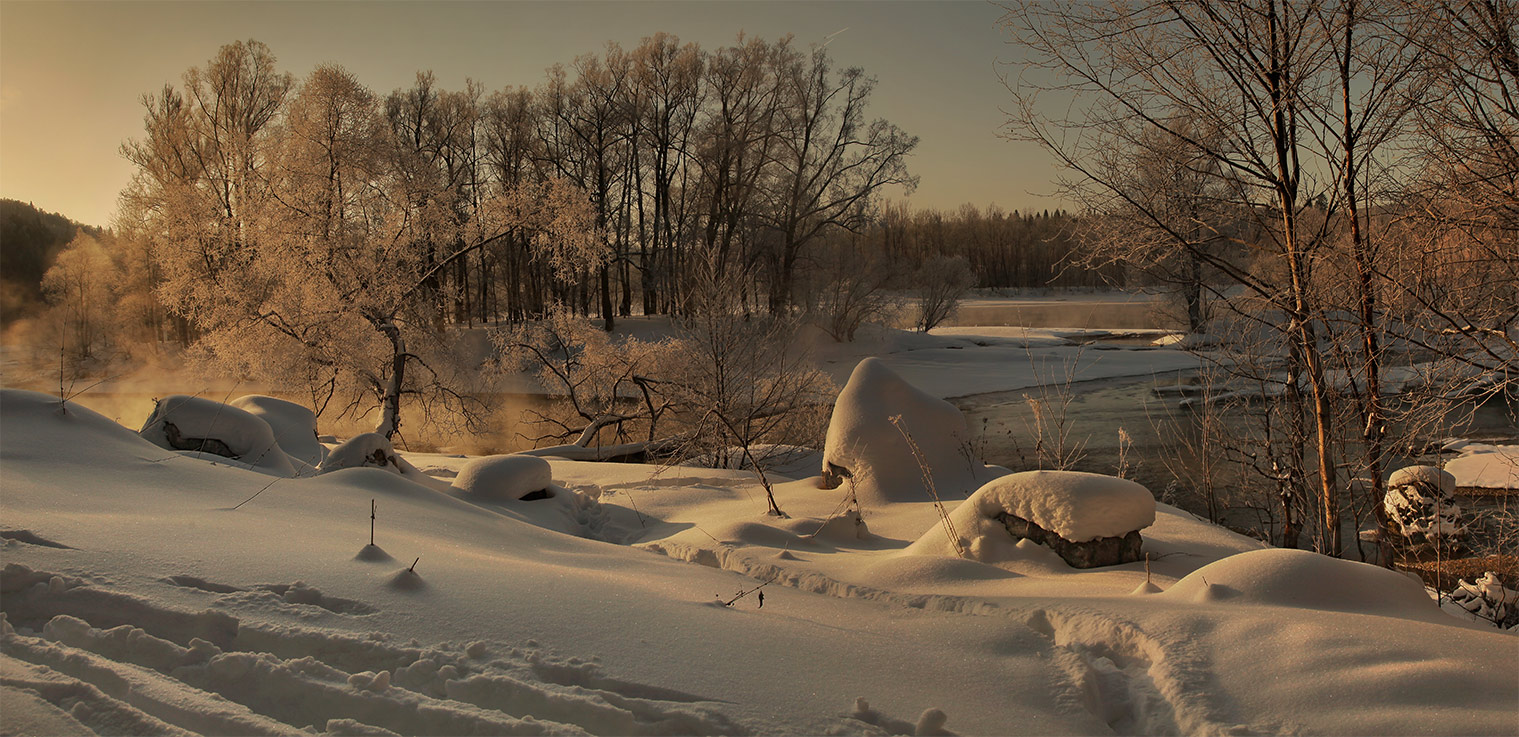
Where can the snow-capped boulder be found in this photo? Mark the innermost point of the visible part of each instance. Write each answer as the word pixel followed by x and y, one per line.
pixel 294 426
pixel 506 478
pixel 1421 506
pixel 1489 600
pixel 865 447
pixel 1088 519
pixel 373 450
pixel 1305 580
pixel 196 424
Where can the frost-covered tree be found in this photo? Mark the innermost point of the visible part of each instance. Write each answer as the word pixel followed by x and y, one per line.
pixel 78 291
pixel 607 383
pixel 325 274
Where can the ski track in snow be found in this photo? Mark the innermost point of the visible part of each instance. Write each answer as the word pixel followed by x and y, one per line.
pixel 1133 682
pixel 120 664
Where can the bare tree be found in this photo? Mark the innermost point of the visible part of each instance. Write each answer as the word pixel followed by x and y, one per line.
pixel 939 284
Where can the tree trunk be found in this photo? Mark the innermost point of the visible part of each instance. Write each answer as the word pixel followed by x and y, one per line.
pixel 390 403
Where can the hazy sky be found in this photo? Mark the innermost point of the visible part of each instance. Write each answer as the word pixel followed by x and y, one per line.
pixel 72 74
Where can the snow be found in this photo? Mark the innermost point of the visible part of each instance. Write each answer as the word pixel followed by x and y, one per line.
pixel 158 608
pixel 1485 466
pixel 866 439
pixel 504 477
pixel 248 437
pixel 372 450
pixel 1434 478
pixel 294 426
pixel 1074 505
pixel 1306 580
pixel 1421 506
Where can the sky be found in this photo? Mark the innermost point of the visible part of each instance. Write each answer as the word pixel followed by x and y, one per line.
pixel 72 74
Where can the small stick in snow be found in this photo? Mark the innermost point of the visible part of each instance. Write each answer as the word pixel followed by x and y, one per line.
pixel 371 522
pixel 1147 567
pixel 413 567
pixel 741 594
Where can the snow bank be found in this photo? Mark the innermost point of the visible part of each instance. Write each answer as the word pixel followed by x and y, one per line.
pixel 1486 466
pixel 506 477
pixel 1305 580
pixel 864 446
pixel 181 422
pixel 294 426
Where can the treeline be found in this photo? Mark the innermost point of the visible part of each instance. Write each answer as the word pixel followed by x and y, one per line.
pixel 30 240
pixel 757 160
pixel 1003 249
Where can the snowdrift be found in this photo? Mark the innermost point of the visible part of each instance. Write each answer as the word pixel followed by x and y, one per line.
pixel 1305 580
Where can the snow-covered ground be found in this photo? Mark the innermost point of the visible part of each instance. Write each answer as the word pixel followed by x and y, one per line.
pixel 140 598
pixel 1483 466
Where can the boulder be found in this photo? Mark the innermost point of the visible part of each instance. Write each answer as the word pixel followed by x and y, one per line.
pixel 196 424
pixel 868 450
pixel 294 426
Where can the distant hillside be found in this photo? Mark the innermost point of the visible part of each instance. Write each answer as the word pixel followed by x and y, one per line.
pixel 29 241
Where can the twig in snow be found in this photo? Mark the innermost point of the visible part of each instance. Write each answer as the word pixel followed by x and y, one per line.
pixel 745 592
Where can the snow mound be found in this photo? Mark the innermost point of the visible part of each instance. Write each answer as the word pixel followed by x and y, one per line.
pixel 294 426
pixel 372 450
pixel 1304 580
pixel 864 446
pixel 506 477
pixel 181 422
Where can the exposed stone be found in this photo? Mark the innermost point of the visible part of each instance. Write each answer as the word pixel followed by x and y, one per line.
pixel 1104 551
pixel 203 445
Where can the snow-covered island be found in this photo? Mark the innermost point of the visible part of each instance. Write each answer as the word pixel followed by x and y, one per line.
pixel 154 590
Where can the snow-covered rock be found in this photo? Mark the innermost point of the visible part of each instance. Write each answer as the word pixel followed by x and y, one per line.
pixel 865 447
pixel 1075 505
pixel 506 477
pixel 373 450
pixel 1488 600
pixel 196 424
pixel 294 426
pixel 1088 519
pixel 1421 506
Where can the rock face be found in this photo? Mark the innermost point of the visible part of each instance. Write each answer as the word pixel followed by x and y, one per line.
pixel 867 449
pixel 1421 507
pixel 1103 551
